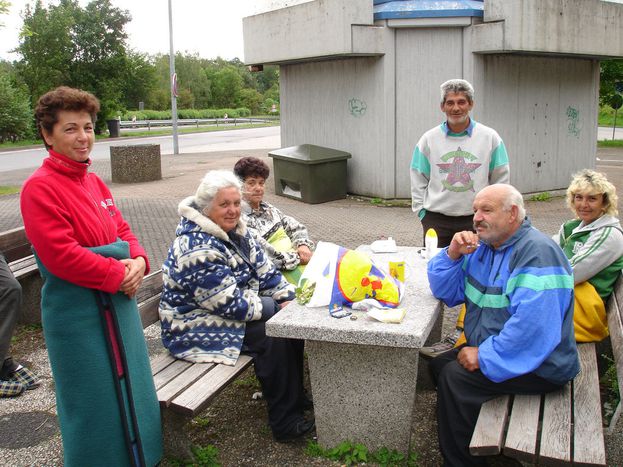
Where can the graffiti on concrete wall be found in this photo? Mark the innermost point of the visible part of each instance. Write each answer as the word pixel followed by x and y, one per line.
pixel 574 126
pixel 357 107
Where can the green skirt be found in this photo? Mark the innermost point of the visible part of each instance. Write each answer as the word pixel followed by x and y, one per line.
pixel 95 406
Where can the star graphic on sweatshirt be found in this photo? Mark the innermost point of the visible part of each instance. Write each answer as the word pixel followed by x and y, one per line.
pixel 458 170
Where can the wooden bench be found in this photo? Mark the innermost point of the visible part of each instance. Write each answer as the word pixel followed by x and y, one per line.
pixel 184 389
pixel 18 252
pixel 563 427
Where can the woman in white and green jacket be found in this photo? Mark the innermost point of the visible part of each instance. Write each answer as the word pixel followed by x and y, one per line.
pixel 593 242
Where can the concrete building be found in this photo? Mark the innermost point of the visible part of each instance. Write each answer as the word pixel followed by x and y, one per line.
pixel 363 76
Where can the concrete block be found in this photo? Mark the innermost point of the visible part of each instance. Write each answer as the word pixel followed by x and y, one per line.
pixel 136 163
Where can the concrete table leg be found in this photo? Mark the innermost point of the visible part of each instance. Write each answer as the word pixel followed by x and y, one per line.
pixel 363 394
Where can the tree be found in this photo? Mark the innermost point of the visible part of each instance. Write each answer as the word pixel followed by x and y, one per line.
pixel 192 77
pixel 86 48
pixel 4 9
pixel 46 47
pixel 226 86
pixel 140 80
pixel 15 112
pixel 611 73
pixel 251 99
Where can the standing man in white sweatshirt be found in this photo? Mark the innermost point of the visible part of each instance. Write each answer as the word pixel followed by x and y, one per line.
pixel 451 163
pixel 454 161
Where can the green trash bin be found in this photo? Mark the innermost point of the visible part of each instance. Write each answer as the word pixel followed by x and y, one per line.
pixel 312 174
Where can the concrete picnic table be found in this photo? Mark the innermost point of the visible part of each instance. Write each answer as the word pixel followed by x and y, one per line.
pixel 364 372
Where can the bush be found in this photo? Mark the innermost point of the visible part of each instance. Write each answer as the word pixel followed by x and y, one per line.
pixel 16 116
pixel 185 114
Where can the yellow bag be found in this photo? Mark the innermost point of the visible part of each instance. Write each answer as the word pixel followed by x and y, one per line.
pixel 282 243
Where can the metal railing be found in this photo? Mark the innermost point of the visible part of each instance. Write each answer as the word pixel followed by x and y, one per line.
pixel 197 122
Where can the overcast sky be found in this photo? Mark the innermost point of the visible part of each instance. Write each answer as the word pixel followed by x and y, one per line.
pixel 209 27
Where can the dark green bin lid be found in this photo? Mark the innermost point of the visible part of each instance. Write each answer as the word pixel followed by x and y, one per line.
pixel 309 154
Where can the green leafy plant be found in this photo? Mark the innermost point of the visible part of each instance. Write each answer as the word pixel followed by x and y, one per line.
pixel 203 456
pixel 201 422
pixel 206 456
pixel 545 196
pixel 610 383
pixel 350 453
pixel 250 381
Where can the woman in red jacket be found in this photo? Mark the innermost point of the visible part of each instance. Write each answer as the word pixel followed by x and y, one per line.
pixel 92 265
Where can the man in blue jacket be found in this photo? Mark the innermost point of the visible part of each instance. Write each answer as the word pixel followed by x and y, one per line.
pixel 518 289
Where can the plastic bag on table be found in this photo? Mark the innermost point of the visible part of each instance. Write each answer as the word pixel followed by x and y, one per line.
pixel 281 243
pixel 337 275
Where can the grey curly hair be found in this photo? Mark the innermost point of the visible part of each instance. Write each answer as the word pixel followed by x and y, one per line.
pixel 457 85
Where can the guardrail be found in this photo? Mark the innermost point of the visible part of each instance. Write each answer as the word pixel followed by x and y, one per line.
pixel 195 121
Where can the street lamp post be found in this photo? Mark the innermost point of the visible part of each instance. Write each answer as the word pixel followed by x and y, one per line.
pixel 173 76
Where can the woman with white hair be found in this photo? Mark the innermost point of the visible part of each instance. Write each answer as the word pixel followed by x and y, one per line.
pixel 593 242
pixel 220 289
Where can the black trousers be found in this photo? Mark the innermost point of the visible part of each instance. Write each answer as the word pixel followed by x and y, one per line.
pixel 10 306
pixel 460 394
pixel 278 366
pixel 446 226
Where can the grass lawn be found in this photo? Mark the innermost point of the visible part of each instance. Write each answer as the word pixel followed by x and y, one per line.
pixel 8 190
pixel 606 117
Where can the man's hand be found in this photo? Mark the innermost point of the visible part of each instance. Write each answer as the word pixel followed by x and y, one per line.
pixel 463 243
pixel 468 358
pixel 134 272
pixel 304 253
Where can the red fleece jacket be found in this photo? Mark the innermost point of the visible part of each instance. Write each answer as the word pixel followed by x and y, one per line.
pixel 65 209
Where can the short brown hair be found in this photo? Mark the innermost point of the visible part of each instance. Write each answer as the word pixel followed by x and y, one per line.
pixel 63 98
pixel 251 167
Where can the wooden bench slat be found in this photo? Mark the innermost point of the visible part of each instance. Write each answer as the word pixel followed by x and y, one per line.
pixel 14 244
pixel 588 441
pixel 167 374
pixel 195 399
pixel 181 382
pixel 489 432
pixel 615 326
pixel 161 361
pixel 523 428
pixel 148 311
pixel 24 267
pixel 556 426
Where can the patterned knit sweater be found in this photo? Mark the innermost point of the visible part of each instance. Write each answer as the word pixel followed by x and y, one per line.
pixel 212 287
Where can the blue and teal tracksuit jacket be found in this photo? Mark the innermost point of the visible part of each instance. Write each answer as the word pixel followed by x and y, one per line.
pixel 519 300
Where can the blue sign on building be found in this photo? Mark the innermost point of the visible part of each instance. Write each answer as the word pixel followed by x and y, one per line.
pixel 400 9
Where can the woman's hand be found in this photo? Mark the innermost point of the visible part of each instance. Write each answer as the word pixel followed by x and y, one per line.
pixel 304 253
pixel 133 277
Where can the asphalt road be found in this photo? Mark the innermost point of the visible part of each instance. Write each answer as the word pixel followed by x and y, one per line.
pixel 189 143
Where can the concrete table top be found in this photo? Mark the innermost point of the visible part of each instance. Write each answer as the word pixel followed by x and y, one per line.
pixel 301 322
